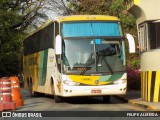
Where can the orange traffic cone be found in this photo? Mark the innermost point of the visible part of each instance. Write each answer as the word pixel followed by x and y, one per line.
pixel 15 90
pixel 5 95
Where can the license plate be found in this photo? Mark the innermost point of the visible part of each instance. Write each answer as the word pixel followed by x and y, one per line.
pixel 96 91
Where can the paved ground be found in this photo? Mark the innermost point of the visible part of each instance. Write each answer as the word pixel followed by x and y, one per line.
pixel 134 98
pixel 74 104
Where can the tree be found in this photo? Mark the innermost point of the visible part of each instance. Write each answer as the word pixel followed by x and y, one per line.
pixel 15 17
pixel 104 7
pixel 97 7
pixel 60 7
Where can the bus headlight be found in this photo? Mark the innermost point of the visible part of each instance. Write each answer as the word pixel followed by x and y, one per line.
pixel 121 81
pixel 70 83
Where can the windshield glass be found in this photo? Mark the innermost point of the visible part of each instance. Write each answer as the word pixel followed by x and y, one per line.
pixel 93 56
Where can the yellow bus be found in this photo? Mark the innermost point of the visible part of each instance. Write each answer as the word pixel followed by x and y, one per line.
pixel 79 55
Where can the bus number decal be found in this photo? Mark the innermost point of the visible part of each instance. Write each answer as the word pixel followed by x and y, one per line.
pixel 86 79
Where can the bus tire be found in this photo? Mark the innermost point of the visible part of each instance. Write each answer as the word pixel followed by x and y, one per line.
pixel 106 99
pixel 57 99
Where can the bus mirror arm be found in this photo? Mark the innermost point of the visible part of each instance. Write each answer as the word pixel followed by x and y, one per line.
pixel 131 42
pixel 58 45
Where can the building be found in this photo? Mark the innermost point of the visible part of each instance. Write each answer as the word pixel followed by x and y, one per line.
pixel 148 25
pixel 148 22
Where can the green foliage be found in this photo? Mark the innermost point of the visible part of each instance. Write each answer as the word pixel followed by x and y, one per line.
pixel 133 74
pixel 15 17
pixel 105 7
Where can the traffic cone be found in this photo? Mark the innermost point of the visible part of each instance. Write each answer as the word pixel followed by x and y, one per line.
pixel 5 95
pixel 15 90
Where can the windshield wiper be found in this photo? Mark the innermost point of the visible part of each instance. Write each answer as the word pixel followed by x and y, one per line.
pixel 89 62
pixel 109 67
pixel 102 54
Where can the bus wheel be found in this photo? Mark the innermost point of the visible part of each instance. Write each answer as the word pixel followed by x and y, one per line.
pixel 106 99
pixel 57 99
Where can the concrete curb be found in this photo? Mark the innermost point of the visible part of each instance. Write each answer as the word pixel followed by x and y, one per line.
pixel 147 107
pixel 136 103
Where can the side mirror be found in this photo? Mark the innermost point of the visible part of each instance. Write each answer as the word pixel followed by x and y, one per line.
pixel 58 45
pixel 131 43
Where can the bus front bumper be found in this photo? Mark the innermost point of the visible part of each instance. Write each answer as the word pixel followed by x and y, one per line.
pixel 114 89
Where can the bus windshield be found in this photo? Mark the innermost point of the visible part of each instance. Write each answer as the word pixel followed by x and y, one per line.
pixel 93 56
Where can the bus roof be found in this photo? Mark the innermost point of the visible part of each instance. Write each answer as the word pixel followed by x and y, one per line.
pixel 86 17
pixel 76 18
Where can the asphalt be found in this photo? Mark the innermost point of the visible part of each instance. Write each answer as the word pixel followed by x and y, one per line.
pixel 134 97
